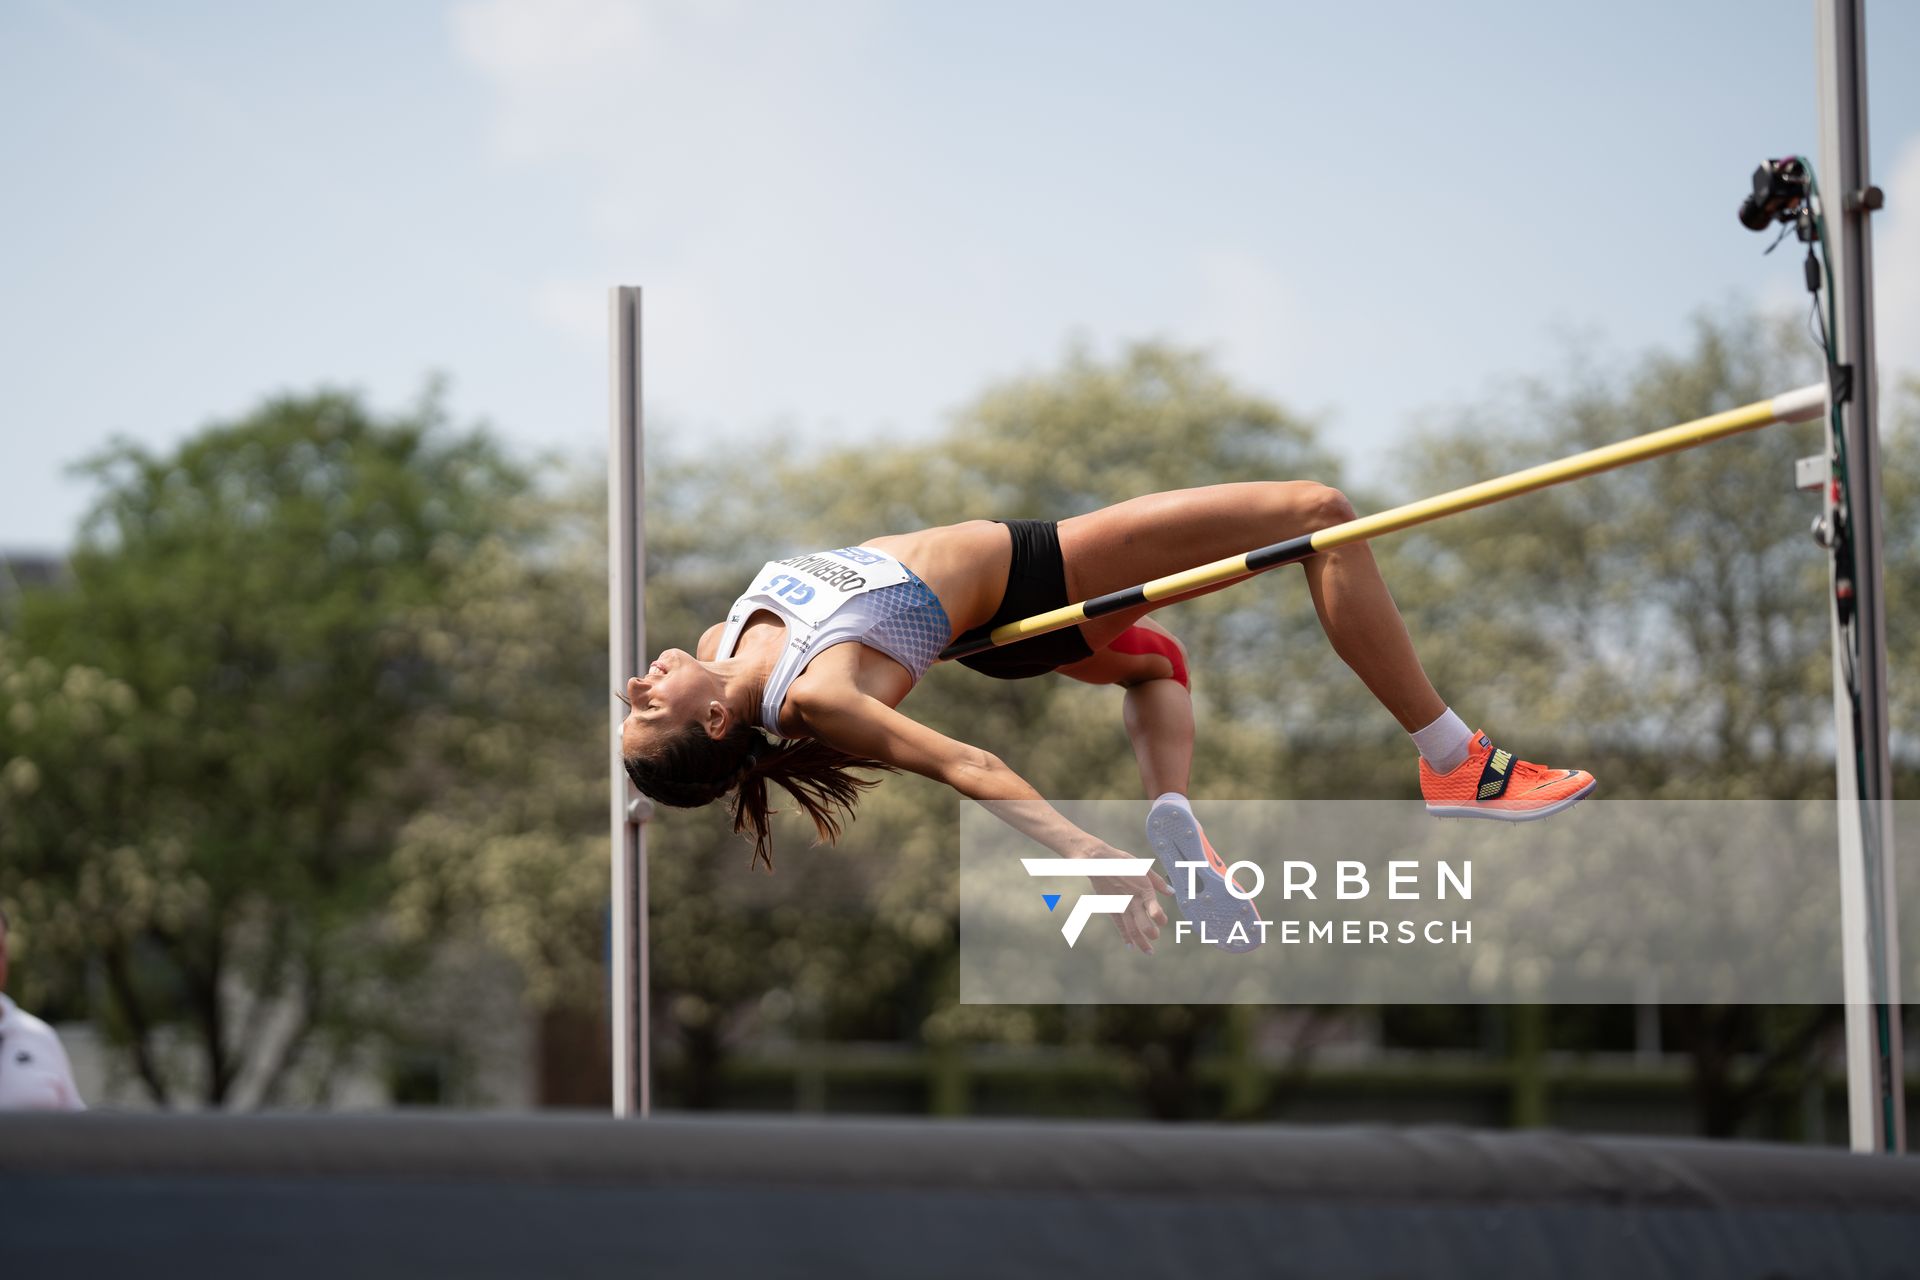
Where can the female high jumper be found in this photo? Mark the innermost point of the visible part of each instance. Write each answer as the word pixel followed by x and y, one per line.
pixel 802 683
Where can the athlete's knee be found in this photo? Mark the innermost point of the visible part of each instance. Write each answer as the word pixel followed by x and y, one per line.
pixel 1321 505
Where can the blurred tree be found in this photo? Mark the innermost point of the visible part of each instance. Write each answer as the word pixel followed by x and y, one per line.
pixel 1665 624
pixel 1900 435
pixel 509 842
pixel 209 737
pixel 1678 601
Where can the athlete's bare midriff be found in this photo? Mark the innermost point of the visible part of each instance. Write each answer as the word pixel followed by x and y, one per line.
pixel 965 564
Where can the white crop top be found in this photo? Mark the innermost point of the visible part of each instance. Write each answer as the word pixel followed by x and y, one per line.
pixel 826 598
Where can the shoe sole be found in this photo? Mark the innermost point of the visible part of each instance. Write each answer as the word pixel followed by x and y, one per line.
pixel 1175 838
pixel 1514 815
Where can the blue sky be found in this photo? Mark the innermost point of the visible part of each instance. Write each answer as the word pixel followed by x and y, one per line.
pixel 852 216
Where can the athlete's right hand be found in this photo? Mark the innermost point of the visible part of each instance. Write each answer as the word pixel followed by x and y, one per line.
pixel 1140 923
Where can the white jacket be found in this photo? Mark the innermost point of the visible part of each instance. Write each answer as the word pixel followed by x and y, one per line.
pixel 34 1073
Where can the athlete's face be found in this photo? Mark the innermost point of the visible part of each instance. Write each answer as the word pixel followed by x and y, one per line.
pixel 674 691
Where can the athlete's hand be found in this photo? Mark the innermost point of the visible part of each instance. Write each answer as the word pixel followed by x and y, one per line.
pixel 1140 923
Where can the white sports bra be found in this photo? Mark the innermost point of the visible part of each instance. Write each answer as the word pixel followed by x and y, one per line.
pixel 853 594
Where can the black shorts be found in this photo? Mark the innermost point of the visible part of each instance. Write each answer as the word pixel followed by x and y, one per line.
pixel 1036 583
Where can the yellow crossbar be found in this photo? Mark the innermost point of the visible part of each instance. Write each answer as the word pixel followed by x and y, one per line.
pixel 1794 406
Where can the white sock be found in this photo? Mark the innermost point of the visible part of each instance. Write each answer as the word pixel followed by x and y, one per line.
pixel 1443 744
pixel 1173 798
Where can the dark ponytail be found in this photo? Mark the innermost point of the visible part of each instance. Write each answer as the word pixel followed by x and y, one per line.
pixel 692 769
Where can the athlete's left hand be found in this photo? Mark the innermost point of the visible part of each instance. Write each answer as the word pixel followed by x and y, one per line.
pixel 1140 923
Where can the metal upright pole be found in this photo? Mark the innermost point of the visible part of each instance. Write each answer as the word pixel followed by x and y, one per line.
pixel 626 643
pixel 1875 1075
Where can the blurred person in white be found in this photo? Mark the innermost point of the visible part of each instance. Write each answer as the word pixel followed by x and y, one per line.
pixel 34 1074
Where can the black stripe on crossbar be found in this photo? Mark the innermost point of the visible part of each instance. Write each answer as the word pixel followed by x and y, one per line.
pixel 967 650
pixel 1281 552
pixel 1114 602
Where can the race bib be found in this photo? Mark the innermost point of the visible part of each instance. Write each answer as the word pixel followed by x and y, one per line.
pixel 813 586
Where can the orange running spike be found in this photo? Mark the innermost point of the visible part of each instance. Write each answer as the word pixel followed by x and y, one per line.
pixel 1495 783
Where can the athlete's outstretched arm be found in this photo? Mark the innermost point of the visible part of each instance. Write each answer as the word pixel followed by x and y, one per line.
pixel 862 725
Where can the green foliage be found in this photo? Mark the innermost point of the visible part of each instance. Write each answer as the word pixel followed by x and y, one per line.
pixel 1665 625
pixel 1900 434
pixel 1666 622
pixel 1089 434
pixel 508 845
pixel 217 717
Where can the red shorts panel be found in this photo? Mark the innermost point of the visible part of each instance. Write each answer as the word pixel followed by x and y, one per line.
pixel 1137 639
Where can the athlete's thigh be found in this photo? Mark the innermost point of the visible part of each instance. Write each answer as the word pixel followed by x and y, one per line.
pixel 1144 538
